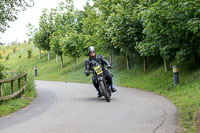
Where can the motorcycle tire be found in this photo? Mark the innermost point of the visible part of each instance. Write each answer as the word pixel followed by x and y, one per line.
pixel 104 91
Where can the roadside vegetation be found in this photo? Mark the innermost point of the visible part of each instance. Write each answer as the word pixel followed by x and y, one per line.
pixel 12 105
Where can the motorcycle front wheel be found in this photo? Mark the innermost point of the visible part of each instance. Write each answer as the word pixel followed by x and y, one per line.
pixel 104 91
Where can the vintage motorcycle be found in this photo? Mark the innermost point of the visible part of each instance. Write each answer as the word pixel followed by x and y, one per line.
pixel 100 78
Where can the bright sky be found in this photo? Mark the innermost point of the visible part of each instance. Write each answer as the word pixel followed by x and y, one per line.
pixel 17 31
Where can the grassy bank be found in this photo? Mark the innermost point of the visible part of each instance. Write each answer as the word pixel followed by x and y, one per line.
pixel 12 105
pixel 186 96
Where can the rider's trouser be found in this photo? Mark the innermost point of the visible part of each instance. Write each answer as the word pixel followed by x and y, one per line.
pixel 108 78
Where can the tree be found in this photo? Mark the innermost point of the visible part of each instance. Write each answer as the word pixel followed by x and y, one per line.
pixel 117 27
pixel 46 29
pixel 73 45
pixel 31 32
pixel 126 29
pixel 98 18
pixel 68 31
pixel 55 42
pixel 59 32
pixel 62 20
pixel 168 30
pixel 38 40
pixel 90 21
pixel 122 27
pixel 9 10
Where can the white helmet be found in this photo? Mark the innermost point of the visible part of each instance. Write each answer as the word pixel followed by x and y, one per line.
pixel 91 49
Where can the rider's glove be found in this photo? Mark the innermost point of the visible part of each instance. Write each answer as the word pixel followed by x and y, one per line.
pixel 109 67
pixel 87 73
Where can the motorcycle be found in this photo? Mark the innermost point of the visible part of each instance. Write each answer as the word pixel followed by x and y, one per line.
pixel 101 79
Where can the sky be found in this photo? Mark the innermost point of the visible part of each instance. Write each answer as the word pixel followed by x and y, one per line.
pixel 17 31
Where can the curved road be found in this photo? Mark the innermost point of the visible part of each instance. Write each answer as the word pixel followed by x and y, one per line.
pixel 73 108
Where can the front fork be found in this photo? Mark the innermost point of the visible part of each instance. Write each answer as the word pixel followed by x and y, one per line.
pixel 107 87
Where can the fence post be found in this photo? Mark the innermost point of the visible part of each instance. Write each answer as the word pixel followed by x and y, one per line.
pixel 1 91
pixel 25 78
pixel 12 87
pixel 19 84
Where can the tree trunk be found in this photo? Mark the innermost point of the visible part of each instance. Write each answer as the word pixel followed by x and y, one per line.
pixel 145 63
pixel 166 65
pixel 56 57
pixel 39 53
pixel 61 59
pixel 48 55
pixel 128 62
pixel 74 64
pixel 110 58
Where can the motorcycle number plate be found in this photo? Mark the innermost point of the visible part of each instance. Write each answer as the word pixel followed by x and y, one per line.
pixel 98 70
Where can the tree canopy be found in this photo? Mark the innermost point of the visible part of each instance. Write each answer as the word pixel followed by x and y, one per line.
pixel 9 10
pixel 166 28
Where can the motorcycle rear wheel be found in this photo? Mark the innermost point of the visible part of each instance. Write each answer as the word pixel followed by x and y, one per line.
pixel 104 91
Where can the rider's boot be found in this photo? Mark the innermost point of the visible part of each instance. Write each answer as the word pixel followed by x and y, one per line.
pixel 99 95
pixel 113 89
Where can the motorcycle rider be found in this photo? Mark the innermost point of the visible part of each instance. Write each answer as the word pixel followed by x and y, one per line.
pixel 102 61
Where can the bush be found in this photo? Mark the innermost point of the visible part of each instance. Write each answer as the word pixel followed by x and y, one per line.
pixel 7 57
pixel 29 53
pixel 30 91
pixel 21 69
pixel 14 49
pixel 2 68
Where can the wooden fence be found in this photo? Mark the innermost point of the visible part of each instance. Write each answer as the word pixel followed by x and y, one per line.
pixel 14 93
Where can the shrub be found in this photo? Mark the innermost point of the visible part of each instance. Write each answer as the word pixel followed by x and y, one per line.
pixel 14 49
pixel 21 69
pixel 2 68
pixel 7 57
pixel 29 53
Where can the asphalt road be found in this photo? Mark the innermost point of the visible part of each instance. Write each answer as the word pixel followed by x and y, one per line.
pixel 73 108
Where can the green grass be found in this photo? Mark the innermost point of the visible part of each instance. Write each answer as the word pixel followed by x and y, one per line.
pixel 186 96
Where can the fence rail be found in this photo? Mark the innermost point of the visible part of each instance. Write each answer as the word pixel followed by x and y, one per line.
pixel 11 80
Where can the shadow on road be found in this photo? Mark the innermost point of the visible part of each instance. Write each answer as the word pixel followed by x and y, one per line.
pixel 93 99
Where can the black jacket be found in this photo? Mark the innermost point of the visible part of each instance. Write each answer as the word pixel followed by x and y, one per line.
pixel 99 59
